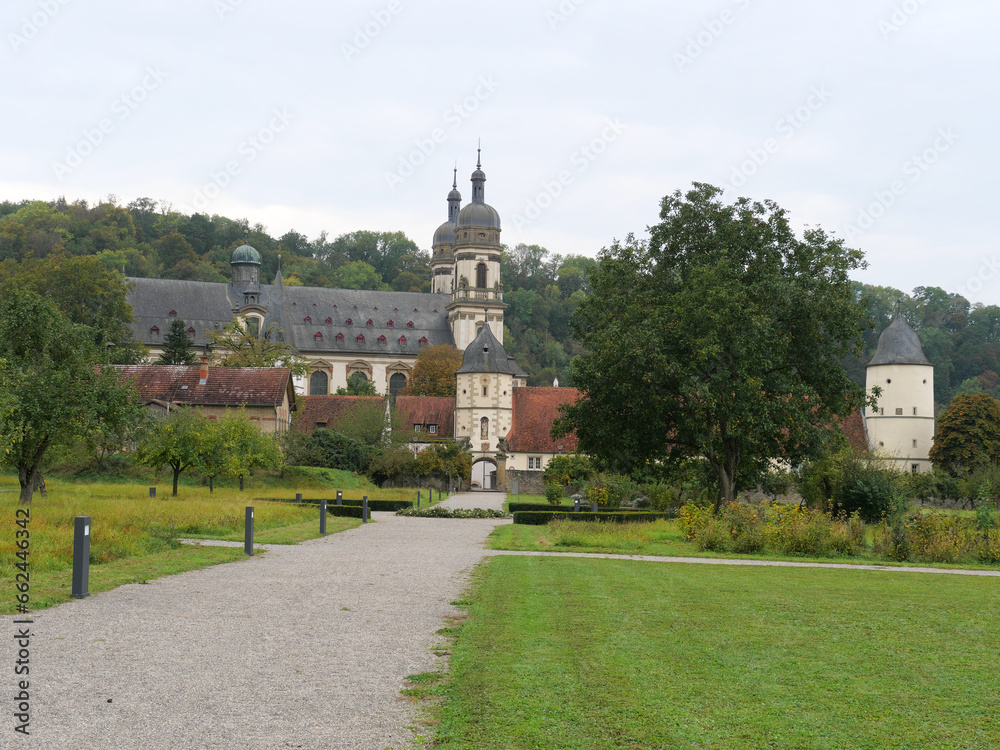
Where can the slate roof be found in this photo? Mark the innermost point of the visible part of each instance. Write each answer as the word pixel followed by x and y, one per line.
pixel 224 386
pixel 326 409
pixel 208 306
pixel 424 410
pixel 535 409
pixel 486 354
pixel 899 345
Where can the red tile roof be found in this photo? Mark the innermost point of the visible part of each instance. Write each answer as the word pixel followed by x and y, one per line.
pixel 224 386
pixel 325 409
pixel 853 428
pixel 535 409
pixel 424 410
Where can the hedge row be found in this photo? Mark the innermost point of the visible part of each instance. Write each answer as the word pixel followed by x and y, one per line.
pixel 544 507
pixel 386 505
pixel 540 518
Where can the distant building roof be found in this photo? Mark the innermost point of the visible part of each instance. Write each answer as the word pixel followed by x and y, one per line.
pixel 535 409
pixel 899 345
pixel 486 354
pixel 320 411
pixel 853 427
pixel 224 386
pixel 425 410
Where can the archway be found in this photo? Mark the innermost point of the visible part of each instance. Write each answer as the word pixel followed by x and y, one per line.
pixel 484 474
pixel 397 382
pixel 318 383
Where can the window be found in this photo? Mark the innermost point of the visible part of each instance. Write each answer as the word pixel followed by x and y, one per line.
pixel 914 411
pixel 154 331
pixel 340 337
pixel 329 321
pixel 423 341
pixel 534 462
pixel 416 427
pixel 321 425
pixel 397 382
pixel 173 313
pixel 253 326
pixel 191 331
pixel 402 340
pixel 409 324
pixel 319 384
pixel 361 338
pixel 432 429
pixel 369 323
pixel 381 339
pixel 349 322
pixel 318 338
pixel 307 320
pixel 481 276
pixel 899 411
pixel 915 468
pixel 485 390
pixel 390 324
pixel 914 443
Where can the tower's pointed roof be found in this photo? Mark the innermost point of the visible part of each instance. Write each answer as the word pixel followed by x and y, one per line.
pixel 899 345
pixel 486 354
pixel 479 213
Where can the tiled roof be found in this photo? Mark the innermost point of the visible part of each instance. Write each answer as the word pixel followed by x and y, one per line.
pixel 486 354
pixel 224 386
pixel 535 409
pixel 424 410
pixel 325 409
pixel 853 428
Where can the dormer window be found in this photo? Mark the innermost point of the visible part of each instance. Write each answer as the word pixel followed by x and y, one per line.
pixel 329 321
pixel 381 339
pixel 370 323
pixel 402 340
pixel 173 313
pixel 154 331
pixel 409 324
pixel 340 337
pixel 361 338
pixel 390 324
pixel 307 320
pixel 423 341
pixel 349 322
pixel 190 331
pixel 318 338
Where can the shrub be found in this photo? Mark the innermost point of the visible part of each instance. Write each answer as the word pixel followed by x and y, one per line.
pixel 568 470
pixel 553 493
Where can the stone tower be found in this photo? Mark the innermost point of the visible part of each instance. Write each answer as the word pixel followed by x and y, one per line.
pixel 901 428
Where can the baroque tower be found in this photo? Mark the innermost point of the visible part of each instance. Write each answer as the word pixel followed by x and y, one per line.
pixel 901 427
pixel 443 246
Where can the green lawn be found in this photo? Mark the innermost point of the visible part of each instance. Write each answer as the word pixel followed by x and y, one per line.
pixel 584 653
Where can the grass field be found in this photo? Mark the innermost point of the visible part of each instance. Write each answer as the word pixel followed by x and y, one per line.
pixel 577 653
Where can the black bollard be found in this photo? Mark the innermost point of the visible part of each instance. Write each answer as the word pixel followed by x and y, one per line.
pixel 576 506
pixel 241 483
pixel 152 491
pixel 248 532
pixel 418 498
pixel 322 517
pixel 81 557
pixel 298 497
pixel 593 507
pixel 439 494
pixel 340 497
pixel 364 509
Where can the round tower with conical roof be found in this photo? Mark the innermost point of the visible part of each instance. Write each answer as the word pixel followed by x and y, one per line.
pixel 477 295
pixel 901 427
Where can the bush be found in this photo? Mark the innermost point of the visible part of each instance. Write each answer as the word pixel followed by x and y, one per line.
pixel 568 470
pixel 540 518
pixel 553 493
pixel 844 482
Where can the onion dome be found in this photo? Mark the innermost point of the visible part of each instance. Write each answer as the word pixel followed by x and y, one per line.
pixel 899 345
pixel 479 213
pixel 246 254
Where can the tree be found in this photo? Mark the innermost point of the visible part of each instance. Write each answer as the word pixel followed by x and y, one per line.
pixel 177 346
pixel 243 349
pixel 720 337
pixel 175 440
pixel 234 446
pixel 434 371
pixel 968 434
pixel 367 421
pixel 358 385
pixel 52 388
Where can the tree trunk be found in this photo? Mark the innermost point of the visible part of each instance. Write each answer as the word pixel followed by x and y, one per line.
pixel 210 488
pixel 29 476
pixel 177 473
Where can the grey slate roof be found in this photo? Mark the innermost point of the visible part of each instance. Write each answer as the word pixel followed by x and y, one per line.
pixel 206 306
pixel 899 345
pixel 486 354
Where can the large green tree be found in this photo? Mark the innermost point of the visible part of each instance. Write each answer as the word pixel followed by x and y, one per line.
pixel 176 440
pixel 52 387
pixel 177 346
pixel 720 337
pixel 434 371
pixel 968 434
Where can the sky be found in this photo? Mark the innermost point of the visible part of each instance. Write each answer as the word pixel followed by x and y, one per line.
pixel 876 120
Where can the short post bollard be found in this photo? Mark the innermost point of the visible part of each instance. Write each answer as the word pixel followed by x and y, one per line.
pixel 152 491
pixel 81 557
pixel 418 498
pixel 593 507
pixel 248 532
pixel 439 494
pixel 340 497
pixel 322 517
pixel 241 483
pixel 364 509
pixel 576 506
pixel 298 497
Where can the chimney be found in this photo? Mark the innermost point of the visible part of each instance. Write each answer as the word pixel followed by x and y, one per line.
pixel 203 372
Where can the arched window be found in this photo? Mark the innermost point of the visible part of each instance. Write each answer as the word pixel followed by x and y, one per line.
pixel 484 428
pixel 481 276
pixel 253 326
pixel 361 375
pixel 318 383
pixel 397 382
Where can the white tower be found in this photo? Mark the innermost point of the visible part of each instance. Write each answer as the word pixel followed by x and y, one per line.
pixel 901 428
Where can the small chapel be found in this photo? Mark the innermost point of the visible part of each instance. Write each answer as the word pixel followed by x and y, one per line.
pixel 378 335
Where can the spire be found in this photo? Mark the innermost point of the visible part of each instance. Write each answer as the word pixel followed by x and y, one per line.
pixel 246 235
pixel 479 179
pixel 454 198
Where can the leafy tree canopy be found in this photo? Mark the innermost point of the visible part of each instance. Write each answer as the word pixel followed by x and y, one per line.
pixel 968 434
pixel 720 337
pixel 358 385
pixel 239 347
pixel 434 371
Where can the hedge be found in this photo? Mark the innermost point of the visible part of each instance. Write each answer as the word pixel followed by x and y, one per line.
pixel 382 505
pixel 544 507
pixel 540 518
pixel 345 511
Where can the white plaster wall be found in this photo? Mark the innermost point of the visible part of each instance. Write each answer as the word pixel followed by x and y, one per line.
pixel 908 389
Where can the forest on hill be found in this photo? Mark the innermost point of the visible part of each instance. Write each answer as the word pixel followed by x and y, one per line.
pixel 145 238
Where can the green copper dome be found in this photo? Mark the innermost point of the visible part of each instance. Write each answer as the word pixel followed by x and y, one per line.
pixel 246 254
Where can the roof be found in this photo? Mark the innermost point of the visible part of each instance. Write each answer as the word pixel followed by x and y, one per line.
pixel 424 410
pixel 853 427
pixel 224 386
pixel 535 409
pixel 899 345
pixel 326 410
pixel 207 306
pixel 486 354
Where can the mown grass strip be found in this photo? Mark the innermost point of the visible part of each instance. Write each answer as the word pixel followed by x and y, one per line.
pixel 577 653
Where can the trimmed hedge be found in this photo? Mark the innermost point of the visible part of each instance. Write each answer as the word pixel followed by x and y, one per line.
pixel 382 505
pixel 345 511
pixel 544 507
pixel 540 518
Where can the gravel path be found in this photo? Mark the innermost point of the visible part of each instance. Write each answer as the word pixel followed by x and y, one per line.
pixel 304 647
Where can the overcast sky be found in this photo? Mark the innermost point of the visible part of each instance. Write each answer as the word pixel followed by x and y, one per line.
pixel 875 119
